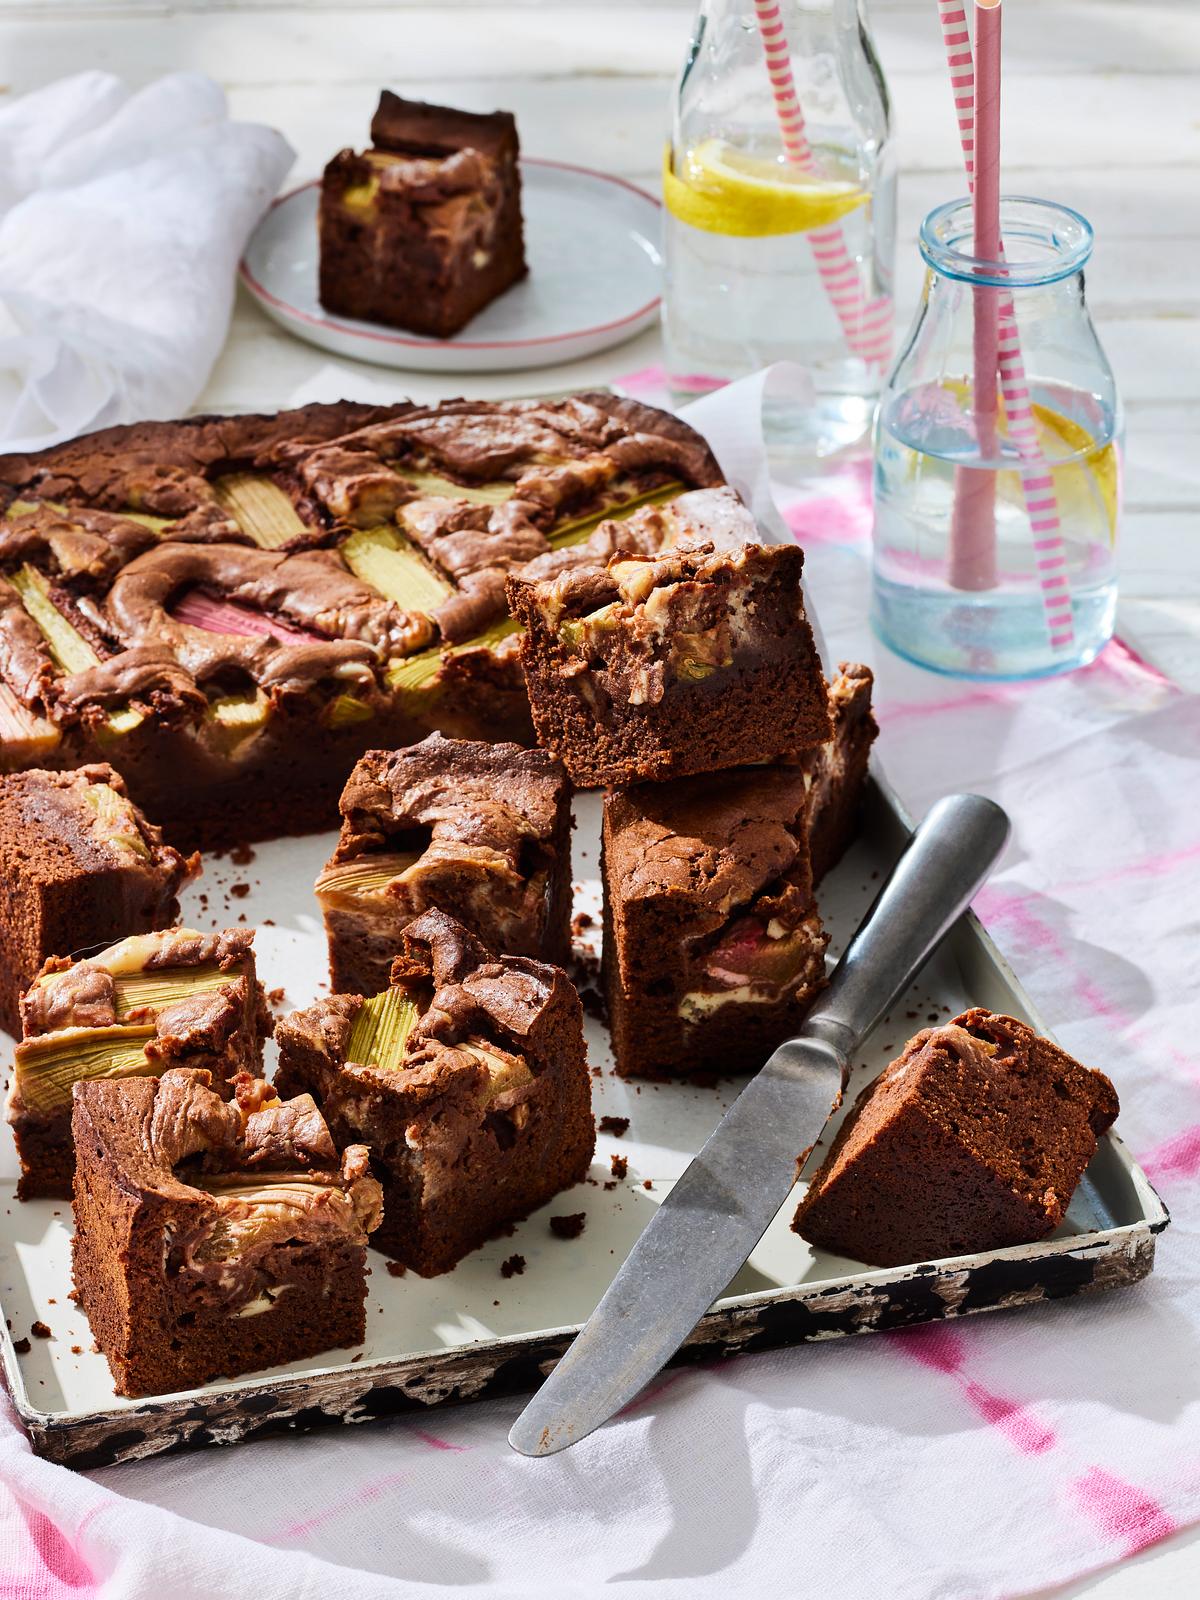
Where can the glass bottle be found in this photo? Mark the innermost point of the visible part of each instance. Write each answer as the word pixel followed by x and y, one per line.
pixel 995 514
pixel 768 257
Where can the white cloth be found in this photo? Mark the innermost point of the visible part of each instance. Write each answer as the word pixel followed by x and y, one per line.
pixel 122 218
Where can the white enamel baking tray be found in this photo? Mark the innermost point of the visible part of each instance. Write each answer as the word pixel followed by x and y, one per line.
pixel 474 1333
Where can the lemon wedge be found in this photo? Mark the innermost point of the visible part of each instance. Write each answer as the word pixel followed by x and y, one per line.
pixel 1082 483
pixel 722 189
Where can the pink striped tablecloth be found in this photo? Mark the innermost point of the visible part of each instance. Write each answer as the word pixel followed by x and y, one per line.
pixel 979 1459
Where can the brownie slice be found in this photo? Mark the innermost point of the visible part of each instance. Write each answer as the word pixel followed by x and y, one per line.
pixel 837 769
pixel 469 1080
pixel 80 866
pixel 213 1238
pixel 654 667
pixel 152 1001
pixel 480 831
pixel 424 230
pixel 973 1139
pixel 713 946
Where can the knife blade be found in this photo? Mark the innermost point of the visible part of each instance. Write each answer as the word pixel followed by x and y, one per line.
pixel 715 1214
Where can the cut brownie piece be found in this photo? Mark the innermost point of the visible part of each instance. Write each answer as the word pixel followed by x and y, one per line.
pixel 653 667
pixel 480 831
pixel 424 230
pixel 153 1001
pixel 213 1238
pixel 468 1078
pixel 80 866
pixel 713 948
pixel 973 1139
pixel 837 769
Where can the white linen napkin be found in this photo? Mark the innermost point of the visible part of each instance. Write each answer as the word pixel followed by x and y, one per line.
pixel 122 218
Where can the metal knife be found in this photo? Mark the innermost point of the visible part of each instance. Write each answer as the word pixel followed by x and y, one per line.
pixel 716 1213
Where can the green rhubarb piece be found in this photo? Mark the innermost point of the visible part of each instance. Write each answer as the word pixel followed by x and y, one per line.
pixel 381 1030
pixel 237 716
pixel 69 650
pixel 166 986
pixel 260 508
pixel 386 560
pixel 46 1068
pixel 578 529
pixel 434 487
pixel 346 711
pixel 24 736
pixel 350 885
pixel 116 822
pixel 576 630
pixel 418 672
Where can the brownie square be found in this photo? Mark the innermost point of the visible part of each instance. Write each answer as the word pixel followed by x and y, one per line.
pixel 837 769
pixel 233 610
pixel 480 831
pixel 424 230
pixel 973 1139
pixel 713 946
pixel 654 667
pixel 152 1001
pixel 468 1079
pixel 80 866
pixel 214 1238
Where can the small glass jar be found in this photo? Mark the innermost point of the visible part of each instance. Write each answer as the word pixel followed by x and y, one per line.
pixel 780 232
pixel 998 456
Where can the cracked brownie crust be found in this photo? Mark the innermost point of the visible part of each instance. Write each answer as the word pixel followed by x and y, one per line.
pixel 469 1081
pixel 213 1238
pixel 480 831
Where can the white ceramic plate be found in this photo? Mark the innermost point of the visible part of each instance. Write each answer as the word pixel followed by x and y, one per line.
pixel 593 245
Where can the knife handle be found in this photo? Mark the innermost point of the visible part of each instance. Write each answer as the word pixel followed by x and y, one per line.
pixel 946 860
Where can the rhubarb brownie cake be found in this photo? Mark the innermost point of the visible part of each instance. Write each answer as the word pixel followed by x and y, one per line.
pixel 233 610
pixel 657 666
pixel 214 1238
pixel 837 769
pixel 424 229
pixel 152 1001
pixel 973 1139
pixel 481 831
pixel 468 1080
pixel 713 946
pixel 80 866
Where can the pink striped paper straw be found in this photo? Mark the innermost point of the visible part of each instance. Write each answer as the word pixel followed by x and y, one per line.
pixel 1037 481
pixel 867 327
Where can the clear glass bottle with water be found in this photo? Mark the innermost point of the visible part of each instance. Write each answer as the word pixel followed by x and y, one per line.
pixel 997 500
pixel 780 217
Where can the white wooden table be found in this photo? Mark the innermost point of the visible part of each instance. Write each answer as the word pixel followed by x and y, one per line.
pixel 1101 112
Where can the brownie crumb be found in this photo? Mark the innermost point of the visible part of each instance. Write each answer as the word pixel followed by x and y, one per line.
pixel 513 1267
pixel 611 1184
pixel 396 1269
pixel 239 891
pixel 40 1330
pixel 242 855
pixel 617 1126
pixel 646 1184
pixel 76 1349
pixel 22 1346
pixel 581 921
pixel 932 1017
pixel 619 1165
pixel 277 996
pixel 569 1227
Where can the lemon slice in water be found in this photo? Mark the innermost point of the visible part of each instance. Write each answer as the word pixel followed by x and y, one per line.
pixel 1079 484
pixel 726 190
